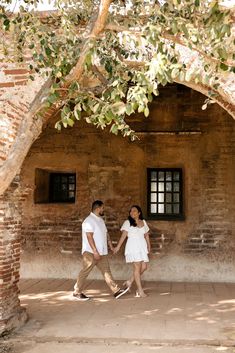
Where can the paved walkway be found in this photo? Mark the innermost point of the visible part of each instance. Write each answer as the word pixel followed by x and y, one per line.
pixel 174 318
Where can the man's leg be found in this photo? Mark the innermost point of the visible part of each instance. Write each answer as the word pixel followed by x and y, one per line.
pixel 88 262
pixel 103 266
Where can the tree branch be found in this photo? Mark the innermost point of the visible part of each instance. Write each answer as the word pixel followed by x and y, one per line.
pixel 100 76
pixel 170 37
pixel 98 27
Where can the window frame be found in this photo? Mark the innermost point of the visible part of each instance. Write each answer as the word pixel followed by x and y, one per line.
pixel 164 216
pixel 52 175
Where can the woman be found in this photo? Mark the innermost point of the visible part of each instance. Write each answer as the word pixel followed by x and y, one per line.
pixel 137 247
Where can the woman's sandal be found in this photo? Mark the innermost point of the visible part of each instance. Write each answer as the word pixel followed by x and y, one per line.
pixel 138 295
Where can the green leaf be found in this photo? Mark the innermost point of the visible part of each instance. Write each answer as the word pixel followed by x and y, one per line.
pixel 58 125
pixel 118 108
pixel 146 112
pixel 222 53
pixel 175 73
pixel 185 30
pixel 109 116
pixel 204 106
pixel 174 27
pixel 88 60
pixel 65 111
pixel 224 67
pixel 129 109
pixel 194 38
pixel 96 107
pixel 226 28
pixel 108 67
pixel 70 122
pixel 48 51
pixel 6 23
pixel 77 114
pixel 114 129
pixel 53 98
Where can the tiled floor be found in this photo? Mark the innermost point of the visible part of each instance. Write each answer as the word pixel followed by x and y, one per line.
pixel 183 315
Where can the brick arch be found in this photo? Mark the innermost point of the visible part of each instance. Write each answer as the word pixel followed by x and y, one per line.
pixel 21 98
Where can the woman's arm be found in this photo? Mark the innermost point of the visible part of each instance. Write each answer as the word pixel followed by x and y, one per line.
pixel 148 241
pixel 121 240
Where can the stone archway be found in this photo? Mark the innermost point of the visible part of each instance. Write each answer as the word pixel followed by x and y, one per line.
pixel 19 129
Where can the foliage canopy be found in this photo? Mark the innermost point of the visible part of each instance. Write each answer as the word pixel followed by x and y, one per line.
pixel 105 59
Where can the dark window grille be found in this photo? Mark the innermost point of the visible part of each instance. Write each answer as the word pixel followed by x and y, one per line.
pixel 165 197
pixel 62 187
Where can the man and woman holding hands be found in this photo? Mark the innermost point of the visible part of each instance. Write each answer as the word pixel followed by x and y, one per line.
pixel 95 241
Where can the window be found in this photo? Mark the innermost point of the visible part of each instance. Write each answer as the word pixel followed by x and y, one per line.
pixel 62 187
pixel 52 187
pixel 165 199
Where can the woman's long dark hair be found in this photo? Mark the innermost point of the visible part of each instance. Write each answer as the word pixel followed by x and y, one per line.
pixel 131 220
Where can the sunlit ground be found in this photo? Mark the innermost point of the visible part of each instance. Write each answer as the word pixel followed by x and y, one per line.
pixel 173 318
pixel 202 309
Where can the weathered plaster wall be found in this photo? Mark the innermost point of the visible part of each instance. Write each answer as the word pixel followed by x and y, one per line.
pixel 178 133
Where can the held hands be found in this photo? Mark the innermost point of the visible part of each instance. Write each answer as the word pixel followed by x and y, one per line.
pixel 112 248
pixel 116 249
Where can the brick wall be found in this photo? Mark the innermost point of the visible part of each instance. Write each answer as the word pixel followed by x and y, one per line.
pixel 11 314
pixel 216 227
pixel 178 133
pixel 16 94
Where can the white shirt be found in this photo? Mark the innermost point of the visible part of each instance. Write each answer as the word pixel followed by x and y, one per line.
pixel 94 224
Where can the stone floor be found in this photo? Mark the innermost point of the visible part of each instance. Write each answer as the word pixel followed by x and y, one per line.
pixel 174 318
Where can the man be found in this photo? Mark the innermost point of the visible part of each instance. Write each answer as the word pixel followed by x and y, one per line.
pixel 95 251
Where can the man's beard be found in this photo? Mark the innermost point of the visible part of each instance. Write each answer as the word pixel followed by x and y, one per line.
pixel 101 214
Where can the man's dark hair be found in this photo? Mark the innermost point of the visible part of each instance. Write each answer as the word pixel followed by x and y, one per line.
pixel 96 204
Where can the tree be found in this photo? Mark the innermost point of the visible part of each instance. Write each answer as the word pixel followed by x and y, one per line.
pixel 105 59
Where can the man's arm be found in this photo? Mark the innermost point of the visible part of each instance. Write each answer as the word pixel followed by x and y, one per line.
pixel 92 245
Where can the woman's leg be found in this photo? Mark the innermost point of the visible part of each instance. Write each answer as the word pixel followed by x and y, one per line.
pixel 103 266
pixel 137 276
pixel 144 267
pixel 130 281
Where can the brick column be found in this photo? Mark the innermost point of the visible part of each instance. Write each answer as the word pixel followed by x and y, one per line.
pixel 12 315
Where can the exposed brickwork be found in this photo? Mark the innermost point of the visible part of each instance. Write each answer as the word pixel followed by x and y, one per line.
pixel 63 235
pixel 17 92
pixel 11 314
pixel 217 180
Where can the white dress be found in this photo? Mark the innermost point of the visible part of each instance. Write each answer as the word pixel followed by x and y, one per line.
pixel 136 246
